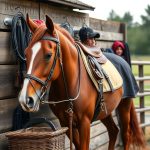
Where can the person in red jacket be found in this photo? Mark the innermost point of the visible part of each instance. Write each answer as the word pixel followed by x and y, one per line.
pixel 122 49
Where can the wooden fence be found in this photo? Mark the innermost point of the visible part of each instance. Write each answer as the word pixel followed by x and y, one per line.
pixel 141 78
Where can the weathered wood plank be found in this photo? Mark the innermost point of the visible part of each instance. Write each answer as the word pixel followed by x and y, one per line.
pixel 3 142
pixel 62 15
pixel 104 44
pixel 110 36
pixel 109 26
pixel 7 107
pixel 7 81
pixel 7 56
pixel 107 36
pixel 99 141
pixel 10 8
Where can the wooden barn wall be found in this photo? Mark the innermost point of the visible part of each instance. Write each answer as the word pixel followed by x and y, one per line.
pixel 109 32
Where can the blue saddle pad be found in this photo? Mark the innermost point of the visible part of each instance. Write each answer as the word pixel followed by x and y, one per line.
pixel 129 83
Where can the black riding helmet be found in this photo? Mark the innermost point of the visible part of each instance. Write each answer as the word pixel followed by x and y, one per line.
pixel 86 32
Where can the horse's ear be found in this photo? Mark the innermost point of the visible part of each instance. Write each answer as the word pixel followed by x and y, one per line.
pixel 31 24
pixel 49 24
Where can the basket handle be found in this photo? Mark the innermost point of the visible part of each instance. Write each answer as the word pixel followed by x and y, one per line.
pixel 35 121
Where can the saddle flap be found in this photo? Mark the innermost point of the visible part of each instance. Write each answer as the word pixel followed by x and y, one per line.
pixel 95 70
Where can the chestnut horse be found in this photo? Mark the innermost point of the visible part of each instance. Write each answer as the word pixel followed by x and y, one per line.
pixel 54 63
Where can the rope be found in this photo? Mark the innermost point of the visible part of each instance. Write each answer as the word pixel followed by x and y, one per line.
pixel 20 37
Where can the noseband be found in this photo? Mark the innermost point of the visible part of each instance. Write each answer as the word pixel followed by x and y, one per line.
pixel 45 83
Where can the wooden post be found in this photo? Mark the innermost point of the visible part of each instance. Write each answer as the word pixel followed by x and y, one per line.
pixel 141 90
pixel 123 29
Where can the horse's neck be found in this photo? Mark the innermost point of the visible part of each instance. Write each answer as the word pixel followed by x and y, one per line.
pixel 70 65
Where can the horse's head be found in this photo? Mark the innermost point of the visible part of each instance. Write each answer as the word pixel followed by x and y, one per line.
pixel 42 60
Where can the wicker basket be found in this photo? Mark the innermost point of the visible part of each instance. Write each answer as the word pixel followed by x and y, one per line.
pixel 37 138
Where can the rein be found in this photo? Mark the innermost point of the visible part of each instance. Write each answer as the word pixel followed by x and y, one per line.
pixel 64 80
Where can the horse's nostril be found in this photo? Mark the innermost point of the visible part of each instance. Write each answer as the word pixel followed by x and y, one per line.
pixel 30 102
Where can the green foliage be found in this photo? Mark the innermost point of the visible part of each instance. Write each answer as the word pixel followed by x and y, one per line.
pixel 138 35
pixel 146 19
pixel 146 70
pixel 127 18
pixel 114 17
pixel 146 100
pixel 138 40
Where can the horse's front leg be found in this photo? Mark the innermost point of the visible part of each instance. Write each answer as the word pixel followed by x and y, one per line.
pixel 84 133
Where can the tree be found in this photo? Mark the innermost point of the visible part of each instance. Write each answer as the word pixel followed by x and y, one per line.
pixel 113 16
pixel 146 19
pixel 128 18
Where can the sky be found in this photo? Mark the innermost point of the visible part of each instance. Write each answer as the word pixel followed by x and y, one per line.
pixel 104 7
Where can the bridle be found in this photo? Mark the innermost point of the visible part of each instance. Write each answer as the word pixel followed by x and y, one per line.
pixel 44 84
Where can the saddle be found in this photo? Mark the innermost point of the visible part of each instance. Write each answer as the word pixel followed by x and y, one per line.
pixel 92 57
pixel 94 52
pixel 96 64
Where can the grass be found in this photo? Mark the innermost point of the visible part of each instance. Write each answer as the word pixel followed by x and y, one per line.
pixel 140 58
pixel 146 73
pixel 146 101
pixel 146 70
pixel 146 67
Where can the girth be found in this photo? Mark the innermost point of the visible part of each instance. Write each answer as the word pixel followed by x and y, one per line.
pixel 99 74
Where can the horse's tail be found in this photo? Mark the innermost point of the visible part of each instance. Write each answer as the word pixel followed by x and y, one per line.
pixel 137 136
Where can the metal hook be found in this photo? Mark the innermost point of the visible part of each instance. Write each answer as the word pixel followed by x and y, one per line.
pixel 8 21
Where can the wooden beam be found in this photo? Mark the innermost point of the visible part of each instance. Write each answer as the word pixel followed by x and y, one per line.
pixel 7 107
pixel 108 26
pixel 139 110
pixel 143 94
pixel 142 78
pixel 10 8
pixel 7 81
pixel 140 62
pixel 62 15
pixel 7 56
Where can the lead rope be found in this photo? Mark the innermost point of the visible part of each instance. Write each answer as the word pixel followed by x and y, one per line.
pixel 69 111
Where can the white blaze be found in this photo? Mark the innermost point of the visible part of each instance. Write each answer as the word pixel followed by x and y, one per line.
pixel 35 49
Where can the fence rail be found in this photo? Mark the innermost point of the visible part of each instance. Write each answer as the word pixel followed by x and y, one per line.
pixel 142 92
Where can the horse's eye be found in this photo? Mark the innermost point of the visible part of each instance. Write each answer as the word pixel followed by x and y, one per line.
pixel 47 56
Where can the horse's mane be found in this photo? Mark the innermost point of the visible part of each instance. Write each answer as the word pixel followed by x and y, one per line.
pixel 65 32
pixel 41 31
